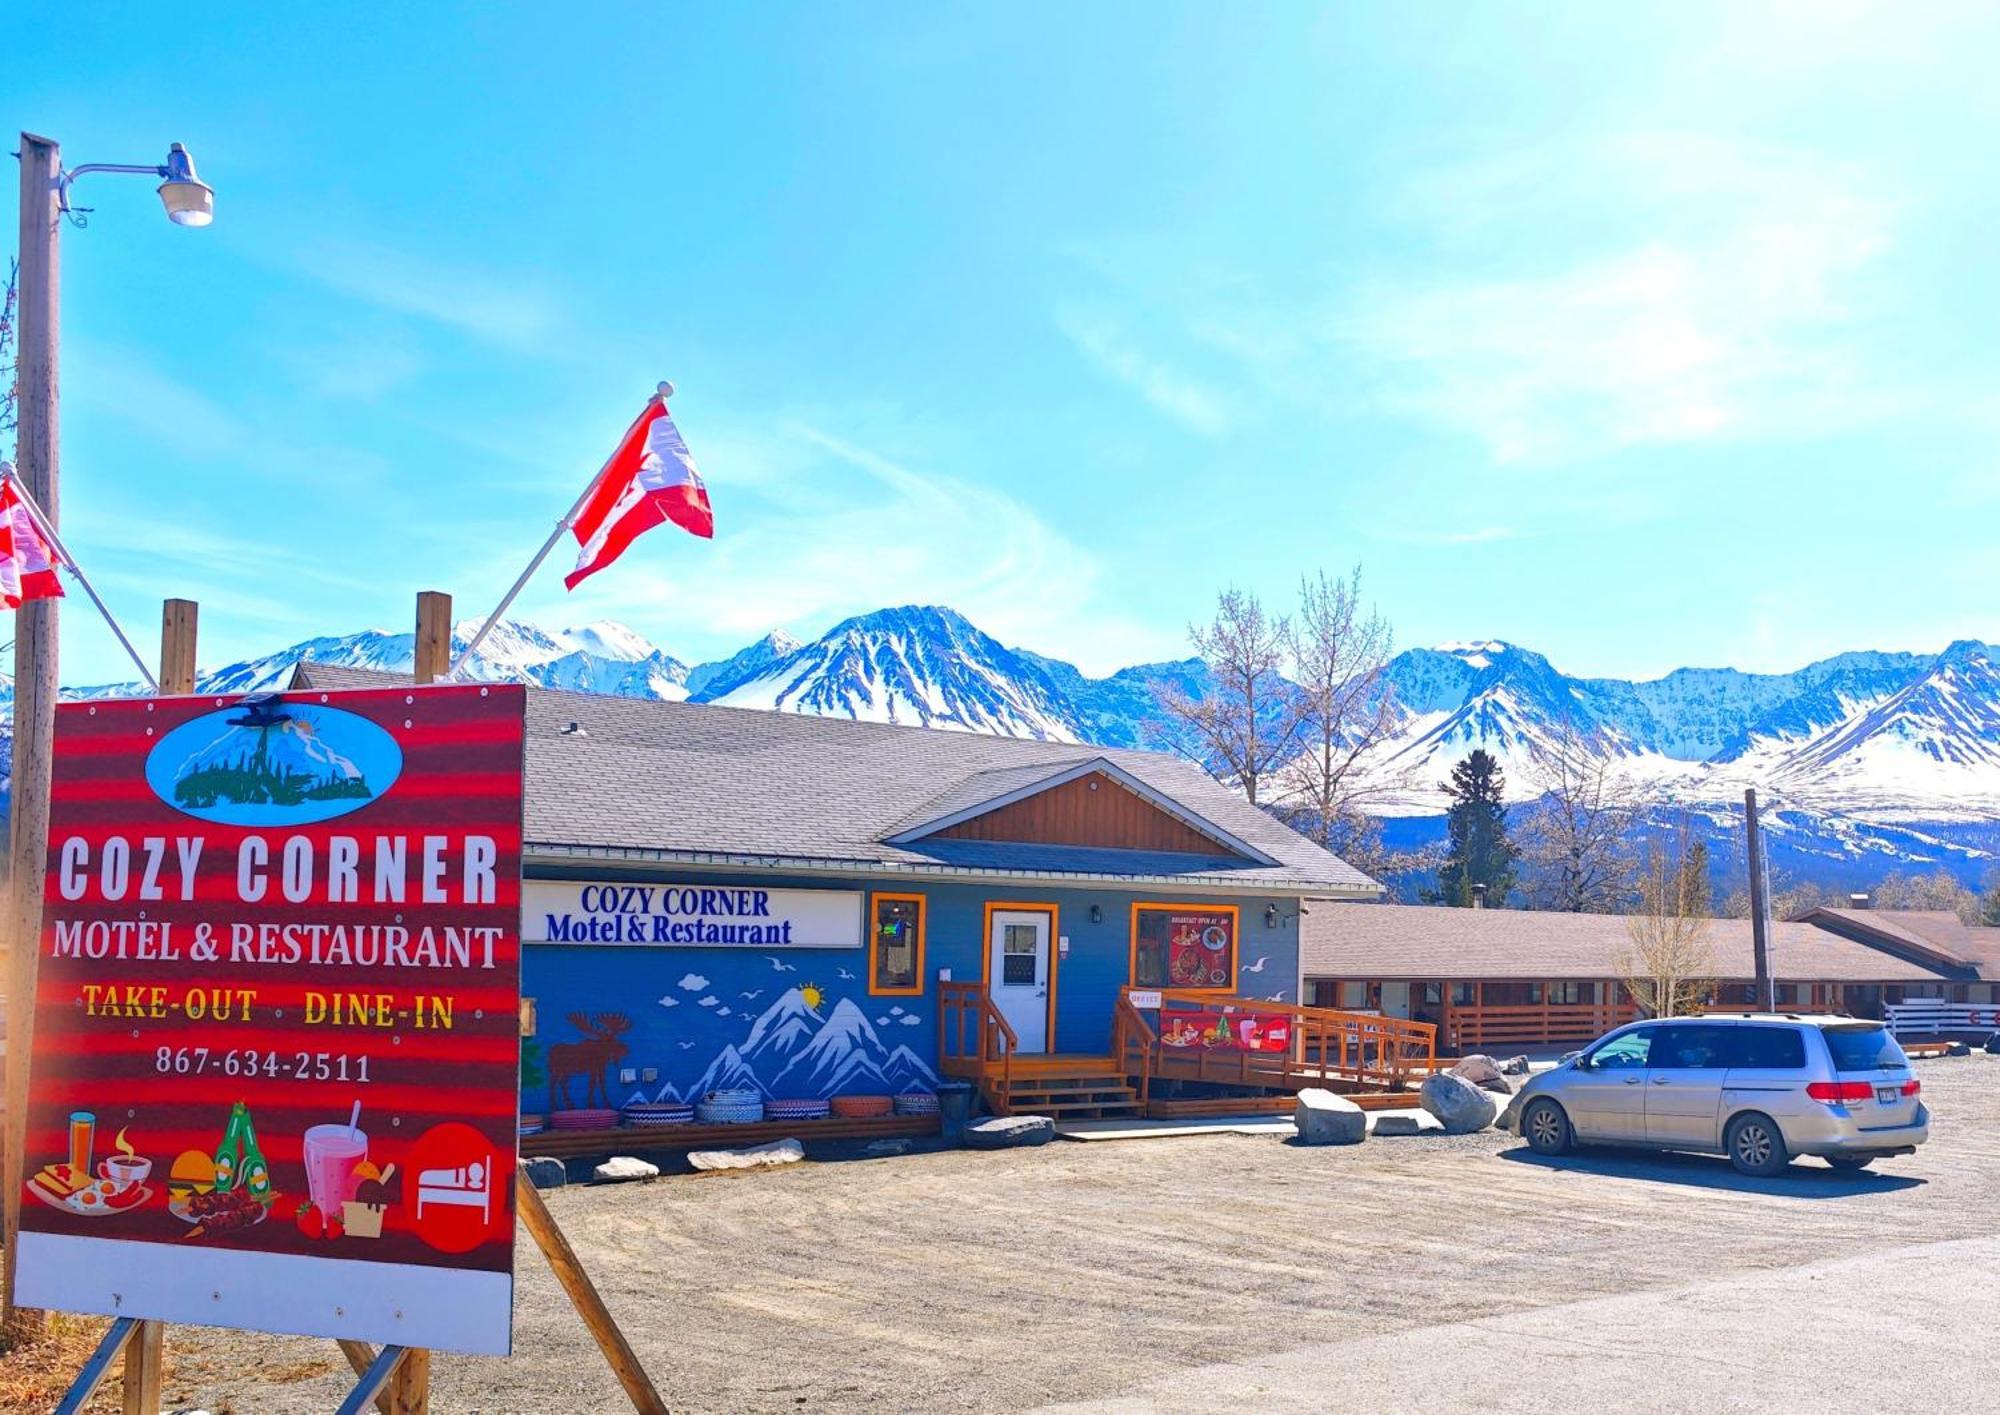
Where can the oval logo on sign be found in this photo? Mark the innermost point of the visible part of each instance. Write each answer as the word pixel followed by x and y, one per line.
pixel 273 763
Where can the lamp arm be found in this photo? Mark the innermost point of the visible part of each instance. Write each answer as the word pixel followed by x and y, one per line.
pixel 68 176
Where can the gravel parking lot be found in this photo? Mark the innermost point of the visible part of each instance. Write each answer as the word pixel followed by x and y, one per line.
pixel 1085 1272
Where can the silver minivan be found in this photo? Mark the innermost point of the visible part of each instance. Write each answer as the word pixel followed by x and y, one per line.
pixel 1761 1088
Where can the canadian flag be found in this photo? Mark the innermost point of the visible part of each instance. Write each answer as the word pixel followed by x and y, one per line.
pixel 27 563
pixel 649 480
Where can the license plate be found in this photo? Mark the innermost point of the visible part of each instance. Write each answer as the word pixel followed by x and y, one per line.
pixel 1887 1095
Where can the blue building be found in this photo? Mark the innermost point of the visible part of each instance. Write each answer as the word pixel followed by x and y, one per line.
pixel 810 908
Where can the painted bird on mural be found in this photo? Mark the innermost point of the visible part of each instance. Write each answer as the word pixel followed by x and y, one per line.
pixel 1256 967
pixel 599 1050
pixel 780 966
pixel 846 976
pixel 751 996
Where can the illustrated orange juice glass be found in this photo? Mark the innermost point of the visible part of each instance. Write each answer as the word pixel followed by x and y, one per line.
pixel 82 1139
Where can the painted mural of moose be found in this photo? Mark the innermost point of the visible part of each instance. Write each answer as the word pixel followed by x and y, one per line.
pixel 591 1058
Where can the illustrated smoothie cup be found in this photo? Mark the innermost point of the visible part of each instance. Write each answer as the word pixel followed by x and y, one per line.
pixel 332 1153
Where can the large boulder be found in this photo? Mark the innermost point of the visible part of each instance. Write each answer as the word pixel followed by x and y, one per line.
pixel 1514 1066
pixel 1993 1045
pixel 545 1173
pixel 1407 1122
pixel 1460 1106
pixel 1958 1049
pixel 620 1168
pixel 1010 1132
pixel 1326 1119
pixel 769 1156
pixel 1476 1068
pixel 1483 1072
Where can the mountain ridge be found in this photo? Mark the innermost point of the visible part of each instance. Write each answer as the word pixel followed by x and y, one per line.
pixel 1860 741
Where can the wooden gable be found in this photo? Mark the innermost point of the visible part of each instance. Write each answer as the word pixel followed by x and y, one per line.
pixel 1091 810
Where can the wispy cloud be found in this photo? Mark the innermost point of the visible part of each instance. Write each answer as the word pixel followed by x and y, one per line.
pixel 508 308
pixel 839 528
pixel 1101 340
pixel 1483 535
pixel 1723 315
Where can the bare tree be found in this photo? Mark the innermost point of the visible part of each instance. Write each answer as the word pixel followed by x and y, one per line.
pixel 1574 841
pixel 9 361
pixel 1940 890
pixel 1248 720
pixel 1340 658
pixel 1669 969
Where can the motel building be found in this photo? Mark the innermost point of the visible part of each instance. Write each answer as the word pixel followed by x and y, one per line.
pixel 772 922
pixel 1521 980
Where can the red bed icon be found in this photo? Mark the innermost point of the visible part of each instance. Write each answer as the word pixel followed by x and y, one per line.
pixel 454 1190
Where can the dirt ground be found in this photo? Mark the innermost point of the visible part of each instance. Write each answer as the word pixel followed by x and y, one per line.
pixel 962 1281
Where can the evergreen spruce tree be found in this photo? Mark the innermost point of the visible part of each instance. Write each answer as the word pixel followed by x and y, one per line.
pixel 1478 850
pixel 1697 887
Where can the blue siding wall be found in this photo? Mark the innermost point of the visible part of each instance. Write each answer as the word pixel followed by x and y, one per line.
pixel 701 1017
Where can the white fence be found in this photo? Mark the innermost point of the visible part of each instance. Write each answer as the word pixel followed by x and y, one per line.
pixel 1931 1016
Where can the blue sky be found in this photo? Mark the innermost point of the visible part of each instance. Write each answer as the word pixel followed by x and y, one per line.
pixel 1640 335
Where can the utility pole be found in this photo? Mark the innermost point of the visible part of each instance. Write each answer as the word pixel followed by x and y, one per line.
pixel 1760 942
pixel 37 460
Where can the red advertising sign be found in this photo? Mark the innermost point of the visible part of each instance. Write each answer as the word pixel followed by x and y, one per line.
pixel 1226 1030
pixel 276 1052
pixel 1200 946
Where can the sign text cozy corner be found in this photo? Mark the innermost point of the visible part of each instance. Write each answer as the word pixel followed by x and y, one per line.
pixel 276 1060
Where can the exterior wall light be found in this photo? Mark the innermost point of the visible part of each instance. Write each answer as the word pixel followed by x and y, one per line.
pixel 1270 916
pixel 189 200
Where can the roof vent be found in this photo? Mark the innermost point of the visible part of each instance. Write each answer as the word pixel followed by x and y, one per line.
pixel 574 729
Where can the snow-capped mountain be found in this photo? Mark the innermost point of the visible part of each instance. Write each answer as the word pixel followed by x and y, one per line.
pixel 1863 753
pixel 712 680
pixel 920 665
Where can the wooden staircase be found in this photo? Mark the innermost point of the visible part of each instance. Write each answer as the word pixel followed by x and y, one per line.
pixel 1086 1088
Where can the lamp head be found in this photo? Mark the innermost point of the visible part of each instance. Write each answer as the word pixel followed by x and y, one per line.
pixel 189 200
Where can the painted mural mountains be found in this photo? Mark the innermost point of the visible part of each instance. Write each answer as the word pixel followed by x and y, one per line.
pixel 793 1050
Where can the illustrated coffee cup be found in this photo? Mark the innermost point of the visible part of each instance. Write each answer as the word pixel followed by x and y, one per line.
pixel 125 1170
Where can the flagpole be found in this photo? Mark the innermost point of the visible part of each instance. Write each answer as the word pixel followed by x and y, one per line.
pixel 666 391
pixel 68 562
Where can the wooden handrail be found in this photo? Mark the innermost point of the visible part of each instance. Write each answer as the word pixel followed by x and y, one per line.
pixel 1327 1044
pixel 997 1039
pixel 1129 1025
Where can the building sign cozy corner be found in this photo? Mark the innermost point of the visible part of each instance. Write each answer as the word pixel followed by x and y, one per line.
pixel 689 915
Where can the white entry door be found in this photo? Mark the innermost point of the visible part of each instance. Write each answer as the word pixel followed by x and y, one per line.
pixel 1017 974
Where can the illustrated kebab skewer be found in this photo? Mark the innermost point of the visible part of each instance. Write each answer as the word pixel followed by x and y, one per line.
pixel 242 1181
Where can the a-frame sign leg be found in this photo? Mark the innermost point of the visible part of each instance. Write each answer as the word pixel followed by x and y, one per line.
pixel 144 1368
pixel 583 1296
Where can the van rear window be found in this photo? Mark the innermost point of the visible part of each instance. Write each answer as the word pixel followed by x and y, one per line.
pixel 1864 1049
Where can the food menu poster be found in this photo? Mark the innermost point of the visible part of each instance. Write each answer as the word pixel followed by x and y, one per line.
pixel 1226 1031
pixel 276 1053
pixel 1201 946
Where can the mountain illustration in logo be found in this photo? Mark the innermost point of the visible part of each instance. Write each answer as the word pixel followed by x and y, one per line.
pixel 265 762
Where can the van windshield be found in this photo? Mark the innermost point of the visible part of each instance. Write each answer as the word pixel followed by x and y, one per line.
pixel 1864 1049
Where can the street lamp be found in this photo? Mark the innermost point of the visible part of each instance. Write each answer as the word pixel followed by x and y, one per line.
pixel 189 200
pixel 45 204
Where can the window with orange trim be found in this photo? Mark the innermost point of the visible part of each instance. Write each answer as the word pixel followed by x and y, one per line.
pixel 1184 946
pixel 896 944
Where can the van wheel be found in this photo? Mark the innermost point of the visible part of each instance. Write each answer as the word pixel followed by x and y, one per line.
pixel 1756 1146
pixel 1850 1162
pixel 1546 1128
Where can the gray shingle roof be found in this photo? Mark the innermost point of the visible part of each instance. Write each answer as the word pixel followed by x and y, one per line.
pixel 1421 942
pixel 716 785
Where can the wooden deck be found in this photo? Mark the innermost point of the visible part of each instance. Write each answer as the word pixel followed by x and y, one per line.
pixel 1356 1053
